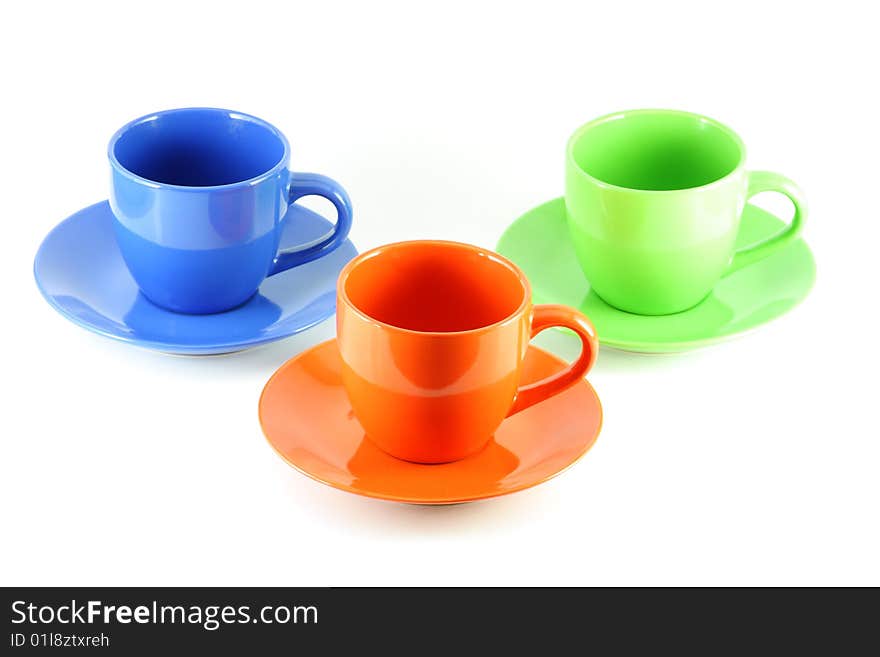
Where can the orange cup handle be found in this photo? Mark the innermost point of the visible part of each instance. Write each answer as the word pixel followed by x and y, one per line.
pixel 544 317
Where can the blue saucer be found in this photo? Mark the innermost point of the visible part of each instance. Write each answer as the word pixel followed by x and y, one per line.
pixel 80 272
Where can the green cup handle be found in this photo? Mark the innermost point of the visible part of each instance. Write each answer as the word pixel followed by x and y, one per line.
pixel 767 181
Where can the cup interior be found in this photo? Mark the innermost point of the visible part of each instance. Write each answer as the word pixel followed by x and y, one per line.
pixel 656 150
pixel 198 147
pixel 435 287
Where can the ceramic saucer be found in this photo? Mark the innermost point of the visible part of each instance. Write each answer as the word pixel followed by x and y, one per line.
pixel 308 420
pixel 80 272
pixel 538 242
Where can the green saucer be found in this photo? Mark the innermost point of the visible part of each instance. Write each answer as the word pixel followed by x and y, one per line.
pixel 538 242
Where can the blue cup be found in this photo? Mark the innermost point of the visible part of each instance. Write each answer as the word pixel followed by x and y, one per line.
pixel 200 197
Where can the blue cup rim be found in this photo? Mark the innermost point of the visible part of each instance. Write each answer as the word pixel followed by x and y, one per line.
pixel 232 114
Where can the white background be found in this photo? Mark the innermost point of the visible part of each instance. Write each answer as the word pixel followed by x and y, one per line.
pixel 755 462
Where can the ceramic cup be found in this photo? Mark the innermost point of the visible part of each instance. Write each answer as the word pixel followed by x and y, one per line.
pixel 200 197
pixel 654 199
pixel 433 336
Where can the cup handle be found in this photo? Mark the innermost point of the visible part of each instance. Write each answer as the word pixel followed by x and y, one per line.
pixel 314 184
pixel 767 181
pixel 543 317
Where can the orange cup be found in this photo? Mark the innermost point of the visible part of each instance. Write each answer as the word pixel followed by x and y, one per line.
pixel 432 337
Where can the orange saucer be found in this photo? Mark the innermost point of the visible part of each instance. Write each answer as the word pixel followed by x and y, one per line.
pixel 308 420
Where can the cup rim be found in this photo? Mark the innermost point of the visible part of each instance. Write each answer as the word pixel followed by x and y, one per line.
pixel 233 114
pixel 586 127
pixel 342 294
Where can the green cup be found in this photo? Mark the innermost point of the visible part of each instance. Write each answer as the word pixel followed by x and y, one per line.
pixel 654 200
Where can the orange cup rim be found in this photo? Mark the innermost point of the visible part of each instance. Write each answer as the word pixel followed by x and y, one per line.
pixel 342 295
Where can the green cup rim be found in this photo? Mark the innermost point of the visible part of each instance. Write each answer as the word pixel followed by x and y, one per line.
pixel 586 127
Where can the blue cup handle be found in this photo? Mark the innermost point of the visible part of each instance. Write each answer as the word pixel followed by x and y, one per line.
pixel 314 184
